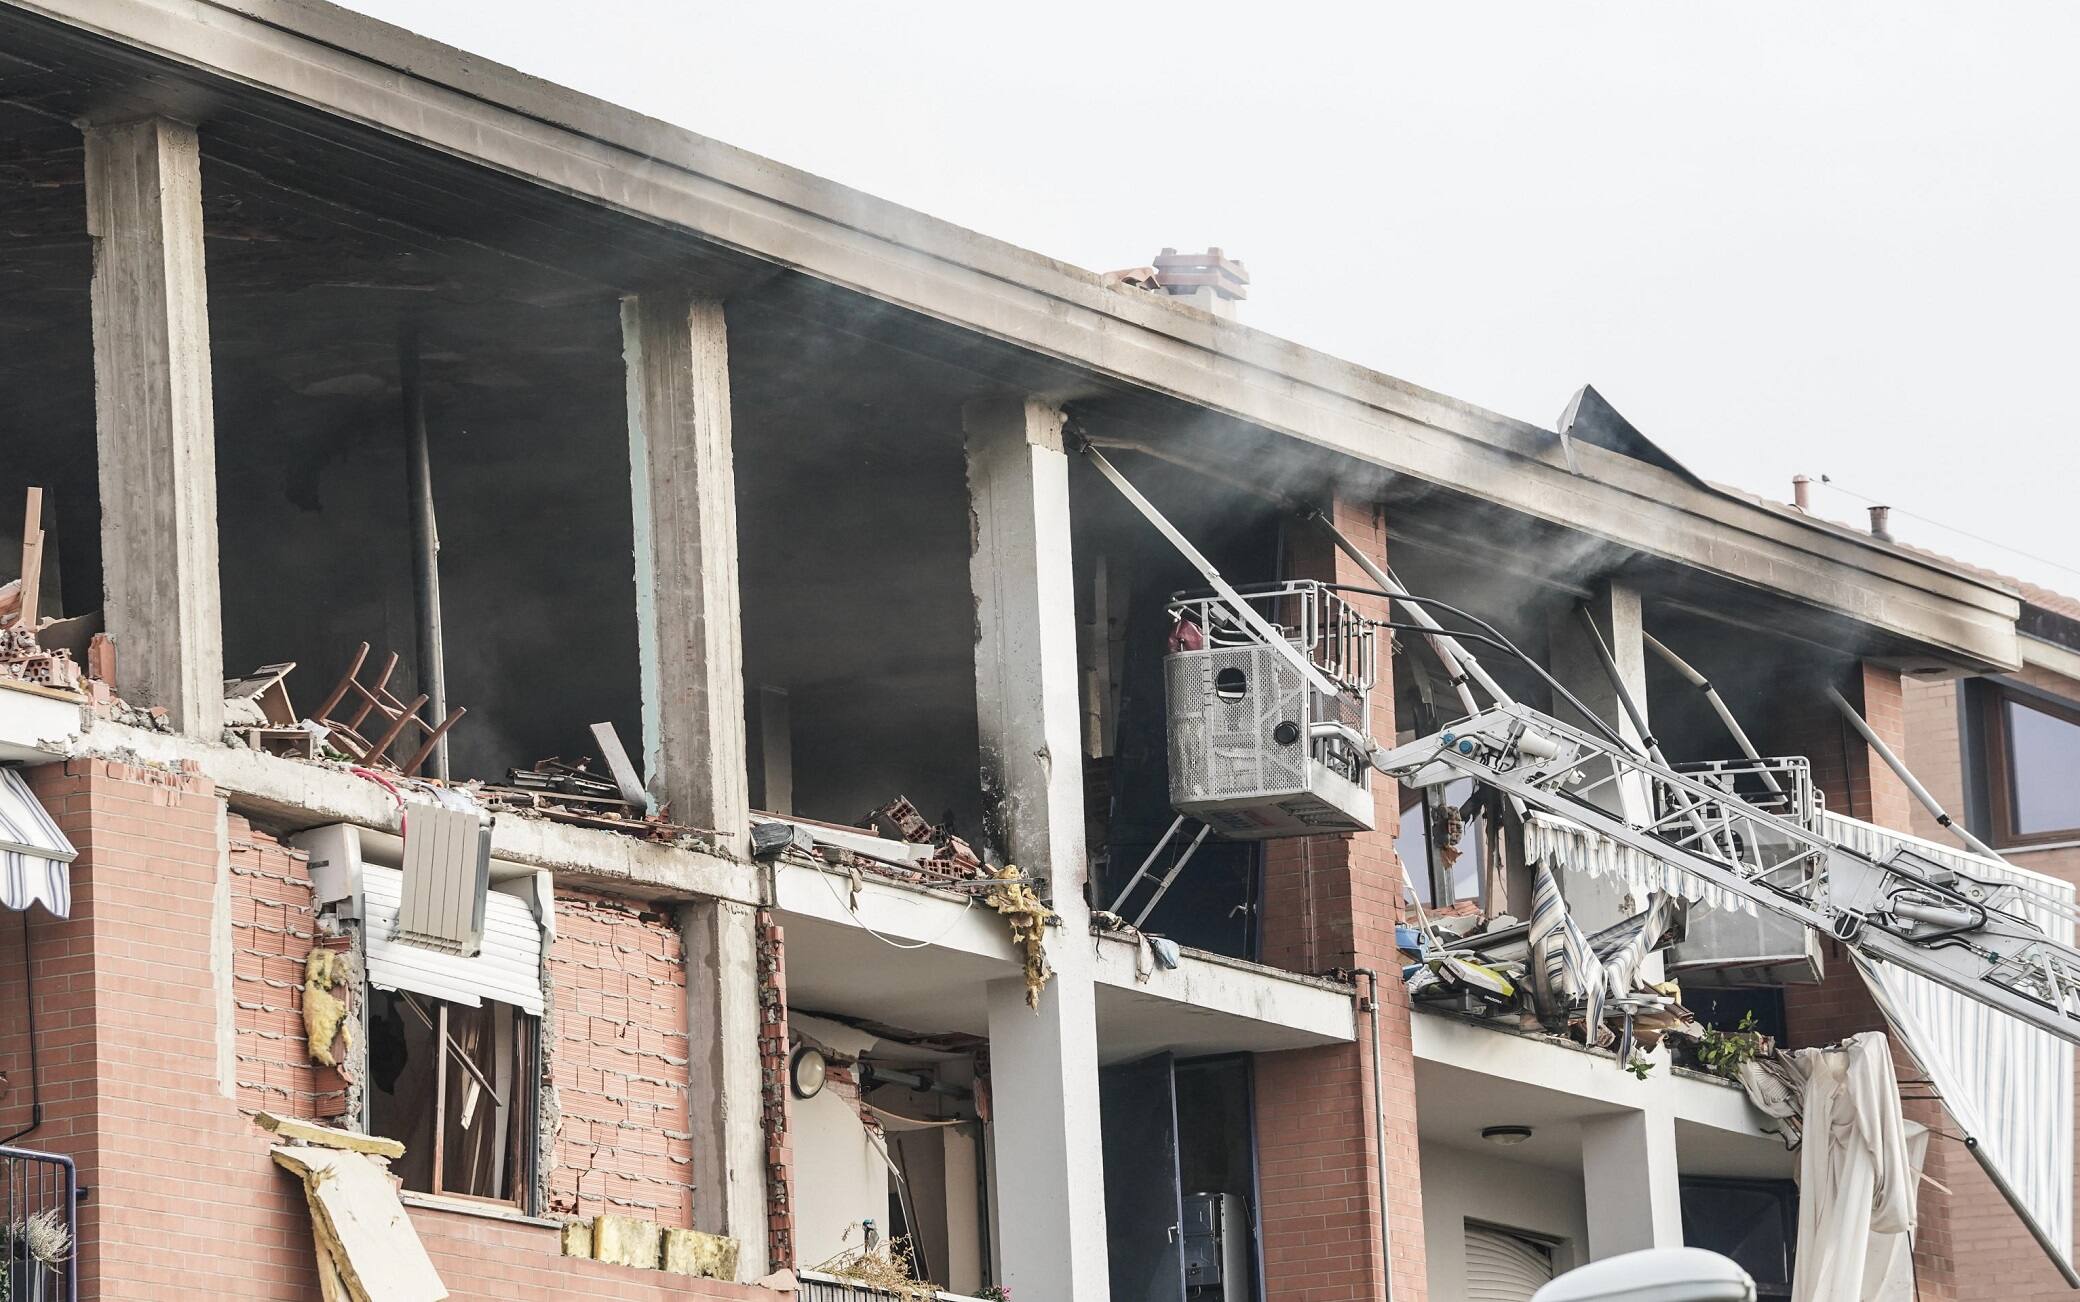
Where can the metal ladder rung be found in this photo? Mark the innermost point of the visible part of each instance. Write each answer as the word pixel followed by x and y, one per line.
pixel 1163 883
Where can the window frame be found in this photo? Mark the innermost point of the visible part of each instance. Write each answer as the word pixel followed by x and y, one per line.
pixel 524 1140
pixel 1436 874
pixel 1786 1193
pixel 1998 753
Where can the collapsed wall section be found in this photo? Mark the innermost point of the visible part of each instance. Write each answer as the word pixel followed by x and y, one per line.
pixel 618 1063
pixel 170 1007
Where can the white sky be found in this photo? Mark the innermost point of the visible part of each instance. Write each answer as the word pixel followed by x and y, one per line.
pixel 1840 239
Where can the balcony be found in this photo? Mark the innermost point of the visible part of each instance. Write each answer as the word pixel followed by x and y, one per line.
pixel 39 1227
pixel 819 1287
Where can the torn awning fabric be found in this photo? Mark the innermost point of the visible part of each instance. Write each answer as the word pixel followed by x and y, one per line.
pixel 1562 961
pixel 35 856
pixel 1568 966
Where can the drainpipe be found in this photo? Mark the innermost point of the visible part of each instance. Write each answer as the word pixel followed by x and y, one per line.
pixel 1369 1005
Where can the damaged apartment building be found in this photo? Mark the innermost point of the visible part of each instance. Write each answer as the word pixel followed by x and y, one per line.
pixel 587 714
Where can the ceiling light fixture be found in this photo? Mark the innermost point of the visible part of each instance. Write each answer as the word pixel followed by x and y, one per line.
pixel 1506 1135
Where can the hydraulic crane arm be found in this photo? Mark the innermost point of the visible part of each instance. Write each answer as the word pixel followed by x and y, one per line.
pixel 1964 933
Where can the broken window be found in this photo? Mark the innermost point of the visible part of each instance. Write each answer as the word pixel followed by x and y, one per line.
pixel 456 1086
pixel 1444 842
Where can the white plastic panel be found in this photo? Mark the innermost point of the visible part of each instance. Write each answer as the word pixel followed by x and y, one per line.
pixel 507 971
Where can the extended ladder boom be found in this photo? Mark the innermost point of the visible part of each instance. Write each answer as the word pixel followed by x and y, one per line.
pixel 1964 933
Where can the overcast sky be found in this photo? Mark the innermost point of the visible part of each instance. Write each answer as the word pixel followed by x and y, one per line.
pixel 1837 239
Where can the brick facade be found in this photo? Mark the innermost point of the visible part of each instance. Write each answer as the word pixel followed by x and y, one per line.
pixel 1857 782
pixel 775 1097
pixel 1990 1246
pixel 618 1063
pixel 169 1008
pixel 1331 903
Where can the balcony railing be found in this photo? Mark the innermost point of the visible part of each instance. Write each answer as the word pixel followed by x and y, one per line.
pixel 39 1227
pixel 819 1287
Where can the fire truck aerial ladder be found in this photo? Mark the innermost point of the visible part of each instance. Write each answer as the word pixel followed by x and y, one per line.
pixel 1268 693
pixel 1964 933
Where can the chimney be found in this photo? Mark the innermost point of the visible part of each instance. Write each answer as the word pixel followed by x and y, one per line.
pixel 1881 523
pixel 1801 492
pixel 1211 281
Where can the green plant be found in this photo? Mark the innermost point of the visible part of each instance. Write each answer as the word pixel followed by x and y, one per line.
pixel 1723 1052
pixel 1640 1065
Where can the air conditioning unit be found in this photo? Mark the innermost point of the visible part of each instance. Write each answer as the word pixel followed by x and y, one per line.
pixel 1256 752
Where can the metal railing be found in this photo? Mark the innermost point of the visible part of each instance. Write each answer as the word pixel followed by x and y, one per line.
pixel 39 1227
pixel 815 1286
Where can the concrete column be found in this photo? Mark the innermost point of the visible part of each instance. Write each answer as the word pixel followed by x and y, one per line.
pixel 1575 662
pixel 725 1079
pixel 1629 1182
pixel 689 628
pixel 1044 1062
pixel 1597 902
pixel 154 428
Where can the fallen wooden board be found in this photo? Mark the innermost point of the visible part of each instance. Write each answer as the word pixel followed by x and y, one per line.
pixel 294 1130
pixel 362 1226
pixel 618 763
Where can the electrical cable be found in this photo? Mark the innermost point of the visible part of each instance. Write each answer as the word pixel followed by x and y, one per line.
pixel 1494 638
pixel 967 902
pixel 1828 482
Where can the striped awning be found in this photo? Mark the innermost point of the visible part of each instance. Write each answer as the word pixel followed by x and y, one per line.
pixel 35 857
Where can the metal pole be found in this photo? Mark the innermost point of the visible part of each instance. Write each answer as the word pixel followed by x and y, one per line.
pixel 1718 704
pixel 1899 769
pixel 1458 661
pixel 1379 1139
pixel 1242 610
pixel 426 544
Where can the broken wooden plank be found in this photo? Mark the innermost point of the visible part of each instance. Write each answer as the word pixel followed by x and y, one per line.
pixel 624 770
pixel 331 1288
pixel 358 1219
pixel 294 1130
pixel 32 559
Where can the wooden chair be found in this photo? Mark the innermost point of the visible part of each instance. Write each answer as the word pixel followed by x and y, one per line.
pixel 344 733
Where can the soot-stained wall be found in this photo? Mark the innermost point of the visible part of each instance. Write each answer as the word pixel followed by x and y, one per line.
pixel 527 430
pixel 853 532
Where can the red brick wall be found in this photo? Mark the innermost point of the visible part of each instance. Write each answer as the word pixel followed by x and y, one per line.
pixel 1989 1243
pixel 1330 903
pixel 1857 782
pixel 619 1062
pixel 185 1200
pixel 273 927
pixel 775 1099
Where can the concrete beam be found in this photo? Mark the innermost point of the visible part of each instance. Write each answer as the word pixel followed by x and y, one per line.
pixel 154 428
pixel 290 795
pixel 1044 1061
pixel 1630 1182
pixel 689 626
pixel 725 1081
